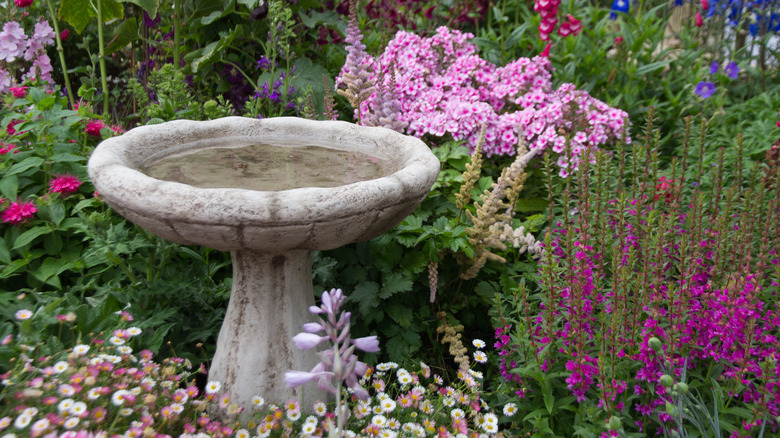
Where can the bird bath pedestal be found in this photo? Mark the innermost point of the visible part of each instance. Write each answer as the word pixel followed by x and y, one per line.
pixel 270 208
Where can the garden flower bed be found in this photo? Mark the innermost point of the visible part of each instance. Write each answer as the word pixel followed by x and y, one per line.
pixel 598 256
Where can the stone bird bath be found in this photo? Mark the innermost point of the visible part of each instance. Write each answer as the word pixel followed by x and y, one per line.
pixel 270 208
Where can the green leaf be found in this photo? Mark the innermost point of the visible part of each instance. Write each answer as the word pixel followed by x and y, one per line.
pixel 531 205
pixel 150 6
pixel 30 235
pixel 9 186
pixel 68 158
pixel 649 68
pixel 209 54
pixel 25 164
pixel 124 34
pixel 365 294
pixel 250 4
pixel 216 15
pixel 91 202
pixel 393 283
pixel 5 254
pixel 57 213
pixel 308 74
pixel 399 314
pixel 80 12
pixel 13 267
pixel 50 269
pixel 329 18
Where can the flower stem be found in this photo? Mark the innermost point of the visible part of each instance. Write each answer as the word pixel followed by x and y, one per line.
pixel 102 55
pixel 61 53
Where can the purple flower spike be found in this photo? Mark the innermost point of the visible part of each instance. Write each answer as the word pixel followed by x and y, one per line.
pixel 307 341
pixel 732 70
pixel 705 89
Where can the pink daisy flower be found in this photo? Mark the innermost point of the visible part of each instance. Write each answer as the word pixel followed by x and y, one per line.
pixel 64 184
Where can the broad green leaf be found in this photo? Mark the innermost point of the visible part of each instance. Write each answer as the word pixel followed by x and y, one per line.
pixel 124 34
pixel 365 294
pixel 250 4
pixel 150 6
pixel 9 186
pixel 400 314
pixel 308 74
pixel 25 164
pixel 30 235
pixel 78 13
pixel 649 68
pixel 50 269
pixel 57 212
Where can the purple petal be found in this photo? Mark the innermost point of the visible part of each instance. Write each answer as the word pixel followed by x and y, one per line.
pixel 327 303
pixel 369 344
pixel 315 310
pixel 298 378
pixel 714 67
pixel 313 327
pixel 306 341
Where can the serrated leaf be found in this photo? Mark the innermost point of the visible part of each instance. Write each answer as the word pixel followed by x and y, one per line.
pixel 329 18
pixel 50 268
pixel 393 283
pixel 365 294
pixel 400 314
pixel 210 53
pixel 30 235
pixel 411 223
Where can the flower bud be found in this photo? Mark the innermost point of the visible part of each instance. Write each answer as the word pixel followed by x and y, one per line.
pixel 666 380
pixel 654 344
pixel 614 423
pixel 681 387
pixel 671 409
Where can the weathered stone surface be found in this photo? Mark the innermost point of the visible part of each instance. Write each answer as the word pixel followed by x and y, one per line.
pixel 270 233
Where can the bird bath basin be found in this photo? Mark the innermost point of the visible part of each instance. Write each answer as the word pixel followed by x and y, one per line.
pixel 269 191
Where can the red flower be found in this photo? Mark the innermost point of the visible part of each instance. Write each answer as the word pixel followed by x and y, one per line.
pixel 94 127
pixel 618 40
pixel 18 91
pixel 705 5
pixel 699 20
pixel 64 184
pixel 665 188
pixel 19 212
pixel 23 3
pixel 8 148
pixel 64 34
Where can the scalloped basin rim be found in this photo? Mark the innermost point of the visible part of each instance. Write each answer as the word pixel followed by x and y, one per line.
pixel 154 203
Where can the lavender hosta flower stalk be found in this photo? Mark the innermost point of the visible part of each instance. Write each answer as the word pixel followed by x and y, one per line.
pixel 338 365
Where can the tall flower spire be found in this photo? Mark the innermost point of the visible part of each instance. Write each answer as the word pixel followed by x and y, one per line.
pixel 357 74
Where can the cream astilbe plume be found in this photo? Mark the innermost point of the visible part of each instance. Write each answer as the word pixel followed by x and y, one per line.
pixel 357 73
pixel 330 104
pixel 471 176
pixel 495 214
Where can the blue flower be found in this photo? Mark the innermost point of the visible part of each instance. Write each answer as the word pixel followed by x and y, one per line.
pixel 732 70
pixel 714 67
pixel 705 89
pixel 619 6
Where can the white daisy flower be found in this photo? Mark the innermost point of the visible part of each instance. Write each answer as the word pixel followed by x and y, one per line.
pixel 308 429
pixel 22 421
pixel 480 356
pixel 133 331
pixel 213 387
pixel 242 433
pixel 80 350
pixel 78 408
pixel 65 405
pixel 320 408
pixel 70 423
pixel 510 409
pixel 258 402
pixel 457 413
pixel 116 340
pixel 124 412
pixel 388 405
pixel 379 420
pixel 490 427
pixel 478 343
pixel 490 418
pixel 60 366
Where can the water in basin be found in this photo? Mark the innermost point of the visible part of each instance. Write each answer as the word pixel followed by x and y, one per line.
pixel 266 167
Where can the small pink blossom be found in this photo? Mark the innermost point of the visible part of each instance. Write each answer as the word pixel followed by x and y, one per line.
pixel 18 91
pixel 19 212
pixel 23 3
pixel 64 184
pixel 93 127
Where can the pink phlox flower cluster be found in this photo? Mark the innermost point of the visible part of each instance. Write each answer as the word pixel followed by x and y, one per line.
pixel 19 212
pixel 15 44
pixel 445 88
pixel 64 184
